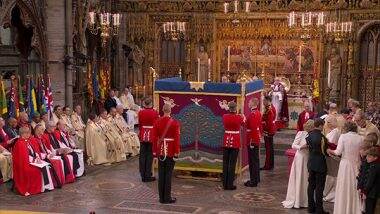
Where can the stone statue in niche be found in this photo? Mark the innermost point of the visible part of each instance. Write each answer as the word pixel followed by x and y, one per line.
pixel 202 64
pixel 137 56
pixel 335 73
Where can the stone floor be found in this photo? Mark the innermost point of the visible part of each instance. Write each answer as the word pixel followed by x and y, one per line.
pixel 117 189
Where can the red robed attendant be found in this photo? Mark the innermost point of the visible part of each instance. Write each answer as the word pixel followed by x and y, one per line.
pixel 304 116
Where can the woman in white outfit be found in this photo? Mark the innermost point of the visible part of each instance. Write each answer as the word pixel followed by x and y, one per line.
pixel 332 163
pixel 347 199
pixel 296 196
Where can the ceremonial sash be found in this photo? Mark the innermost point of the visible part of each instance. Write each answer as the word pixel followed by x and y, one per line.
pixel 162 139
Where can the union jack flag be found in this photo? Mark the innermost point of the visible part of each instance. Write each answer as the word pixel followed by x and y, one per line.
pixel 49 98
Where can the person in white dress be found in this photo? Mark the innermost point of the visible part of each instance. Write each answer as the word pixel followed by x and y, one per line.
pixel 331 124
pixel 347 200
pixel 296 196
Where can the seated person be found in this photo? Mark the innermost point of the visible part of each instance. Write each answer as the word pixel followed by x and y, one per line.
pixel 48 155
pixel 31 175
pixel 5 164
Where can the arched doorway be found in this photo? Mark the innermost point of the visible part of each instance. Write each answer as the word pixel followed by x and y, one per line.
pixel 369 73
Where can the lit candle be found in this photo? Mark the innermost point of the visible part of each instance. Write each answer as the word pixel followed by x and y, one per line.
pixel 303 20
pixel 228 58
pixel 209 69
pixel 92 17
pixel 225 7
pixel 334 27
pixel 235 6
pixel 247 3
pixel 309 23
pixel 300 60
pixel 328 73
pixel 199 68
pixel 349 26
pixel 164 25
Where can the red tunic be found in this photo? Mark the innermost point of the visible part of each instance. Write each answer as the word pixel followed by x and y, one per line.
pixel 269 116
pixel 254 128
pixel 302 119
pixel 27 178
pixel 169 146
pixel 232 124
pixel 147 117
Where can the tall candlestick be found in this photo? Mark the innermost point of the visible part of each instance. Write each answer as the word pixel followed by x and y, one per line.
pixel 209 70
pixel 236 6
pixel 328 73
pixel 225 7
pixel 300 60
pixel 199 68
pixel 247 3
pixel 228 58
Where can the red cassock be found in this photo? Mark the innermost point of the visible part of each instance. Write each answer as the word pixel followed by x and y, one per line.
pixel 68 166
pixel 166 144
pixel 232 124
pixel 40 147
pixel 27 178
pixel 269 117
pixel 254 128
pixel 4 140
pixel 147 118
pixel 303 118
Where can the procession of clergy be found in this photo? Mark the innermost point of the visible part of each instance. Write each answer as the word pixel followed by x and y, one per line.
pixel 53 156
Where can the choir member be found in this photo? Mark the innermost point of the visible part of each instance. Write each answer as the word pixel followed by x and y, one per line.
pixel 57 114
pixel 167 140
pixel 232 123
pixel 147 118
pixel 36 119
pixel 31 175
pixel 23 120
pixel 269 129
pixel 304 116
pixel 44 119
pixel 70 161
pixel 98 147
pixel 66 142
pixel 66 118
pixel 254 130
pixel 347 198
pixel 116 141
pixel 47 154
pixel 296 196
pixel 78 124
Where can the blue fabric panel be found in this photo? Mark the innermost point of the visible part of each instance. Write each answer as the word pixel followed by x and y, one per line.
pixel 254 86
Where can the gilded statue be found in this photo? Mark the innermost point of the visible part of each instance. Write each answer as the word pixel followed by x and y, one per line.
pixel 203 67
pixel 137 56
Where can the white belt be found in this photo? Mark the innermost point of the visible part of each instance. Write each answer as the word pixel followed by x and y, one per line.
pixel 168 139
pixel 248 130
pixel 232 132
pixel 147 127
pixel 165 149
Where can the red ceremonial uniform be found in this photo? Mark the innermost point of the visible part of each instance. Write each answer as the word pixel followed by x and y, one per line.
pixel 27 178
pixel 268 121
pixel 232 124
pixel 254 127
pixel 4 139
pixel 166 144
pixel 303 117
pixel 147 118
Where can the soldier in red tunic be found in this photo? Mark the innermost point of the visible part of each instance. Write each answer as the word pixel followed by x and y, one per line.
pixel 231 144
pixel 269 128
pixel 254 129
pixel 166 132
pixel 147 117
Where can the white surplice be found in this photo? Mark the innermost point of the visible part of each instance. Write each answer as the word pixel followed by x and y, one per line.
pixel 332 168
pixel 347 200
pixel 298 179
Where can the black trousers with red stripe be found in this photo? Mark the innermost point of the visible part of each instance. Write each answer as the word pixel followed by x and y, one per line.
pixel 269 152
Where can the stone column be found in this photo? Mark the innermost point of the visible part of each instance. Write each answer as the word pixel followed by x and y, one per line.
pixel 68 53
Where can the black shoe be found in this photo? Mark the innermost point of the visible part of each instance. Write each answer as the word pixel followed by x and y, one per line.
pixel 311 210
pixel 250 184
pixel 151 179
pixel 171 201
pixel 231 188
pixel 324 212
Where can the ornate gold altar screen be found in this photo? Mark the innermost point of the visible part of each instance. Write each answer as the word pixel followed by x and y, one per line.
pixel 261 43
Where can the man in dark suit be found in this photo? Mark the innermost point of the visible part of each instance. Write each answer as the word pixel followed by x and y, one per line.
pixel 317 167
pixel 110 101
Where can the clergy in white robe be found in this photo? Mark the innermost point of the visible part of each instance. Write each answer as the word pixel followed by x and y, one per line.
pixel 331 124
pixel 5 164
pixel 57 114
pixel 96 143
pixel 78 125
pixel 129 104
pixel 296 196
pixel 365 127
pixel 347 200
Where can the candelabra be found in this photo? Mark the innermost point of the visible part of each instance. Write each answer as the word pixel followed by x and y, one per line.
pixel 174 30
pixel 339 28
pixel 108 24
pixel 306 21
pixel 236 6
